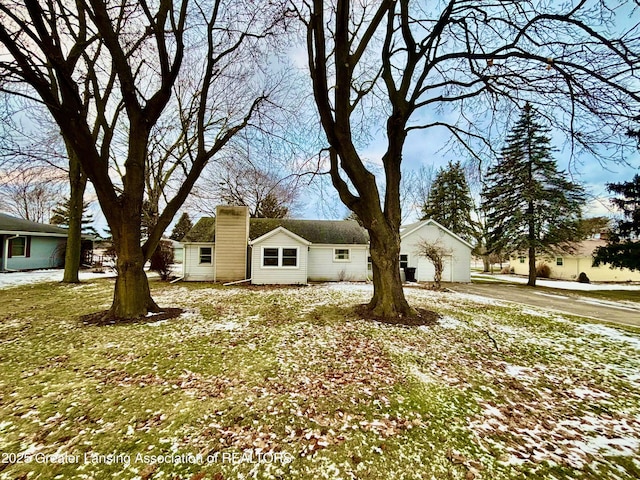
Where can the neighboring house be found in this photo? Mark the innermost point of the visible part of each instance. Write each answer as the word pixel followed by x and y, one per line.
pixel 233 247
pixel 27 245
pixel 566 266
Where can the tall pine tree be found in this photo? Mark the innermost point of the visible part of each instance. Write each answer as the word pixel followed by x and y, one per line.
pixel 61 215
pixel 449 202
pixel 531 206
pixel 623 248
pixel 181 228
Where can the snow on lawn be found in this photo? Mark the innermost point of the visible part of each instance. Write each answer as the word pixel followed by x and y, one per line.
pixel 13 279
pixel 493 391
pixel 613 334
pixel 561 284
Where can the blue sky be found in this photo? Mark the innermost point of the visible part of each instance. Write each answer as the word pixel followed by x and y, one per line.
pixel 429 148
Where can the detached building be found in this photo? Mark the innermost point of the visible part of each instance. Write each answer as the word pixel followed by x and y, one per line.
pixel 233 247
pixel 27 245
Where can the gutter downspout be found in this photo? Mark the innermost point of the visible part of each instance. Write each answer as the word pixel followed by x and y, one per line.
pixel 236 282
pixel 5 260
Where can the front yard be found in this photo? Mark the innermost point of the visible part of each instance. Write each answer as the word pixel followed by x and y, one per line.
pixel 290 383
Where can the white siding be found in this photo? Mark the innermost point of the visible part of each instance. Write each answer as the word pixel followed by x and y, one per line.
pixel 192 268
pixel 323 267
pixel 279 275
pixel 457 267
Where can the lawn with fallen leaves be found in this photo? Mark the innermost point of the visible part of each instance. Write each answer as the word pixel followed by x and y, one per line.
pixel 289 383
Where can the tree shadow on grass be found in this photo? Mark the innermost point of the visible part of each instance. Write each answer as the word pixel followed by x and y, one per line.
pixel 101 319
pixel 423 317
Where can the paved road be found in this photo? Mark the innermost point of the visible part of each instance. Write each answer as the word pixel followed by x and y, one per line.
pixel 618 312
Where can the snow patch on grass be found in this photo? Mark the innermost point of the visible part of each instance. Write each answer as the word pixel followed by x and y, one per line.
pixel 448 322
pixel 611 334
pixel 534 313
pixel 517 371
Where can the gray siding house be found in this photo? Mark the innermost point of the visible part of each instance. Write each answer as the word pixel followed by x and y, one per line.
pixel 233 247
pixel 26 245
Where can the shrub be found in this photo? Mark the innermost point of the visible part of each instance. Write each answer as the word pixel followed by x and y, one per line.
pixel 506 270
pixel 582 278
pixel 162 259
pixel 543 270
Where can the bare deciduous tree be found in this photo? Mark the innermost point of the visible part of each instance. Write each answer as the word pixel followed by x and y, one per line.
pixel 31 138
pixel 460 66
pixel 108 73
pixel 31 194
pixel 240 182
pixel 435 252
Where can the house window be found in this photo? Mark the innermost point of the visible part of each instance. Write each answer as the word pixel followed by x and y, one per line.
pixel 369 264
pixel 559 261
pixel 205 255
pixel 270 257
pixel 404 261
pixel 275 257
pixel 341 255
pixel 521 259
pixel 289 257
pixel 18 247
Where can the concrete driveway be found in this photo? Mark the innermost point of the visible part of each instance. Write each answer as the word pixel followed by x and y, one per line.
pixel 627 313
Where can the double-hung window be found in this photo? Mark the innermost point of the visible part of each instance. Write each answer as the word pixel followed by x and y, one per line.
pixel 270 257
pixel 18 247
pixel 289 257
pixel 205 255
pixel 279 257
pixel 341 255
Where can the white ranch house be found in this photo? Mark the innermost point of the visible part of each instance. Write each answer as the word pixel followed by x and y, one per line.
pixel 233 247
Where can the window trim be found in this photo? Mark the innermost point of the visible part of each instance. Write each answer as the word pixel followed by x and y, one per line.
pixel 280 250
pixel 341 260
pixel 282 257
pixel 521 258
pixel 24 247
pixel 559 261
pixel 200 255
pixel 400 261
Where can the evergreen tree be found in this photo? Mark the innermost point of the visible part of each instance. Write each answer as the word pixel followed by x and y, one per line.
pixel 272 207
pixel 181 228
pixel 623 248
pixel 530 205
pixel 60 216
pixel 592 226
pixel 449 202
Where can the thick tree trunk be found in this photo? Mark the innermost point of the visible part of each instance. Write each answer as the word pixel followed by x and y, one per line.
pixel 388 297
pixel 486 264
pixel 132 297
pixel 532 267
pixel 73 252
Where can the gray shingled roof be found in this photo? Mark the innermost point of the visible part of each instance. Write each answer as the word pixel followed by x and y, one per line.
pixel 315 231
pixel 203 231
pixel 14 224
